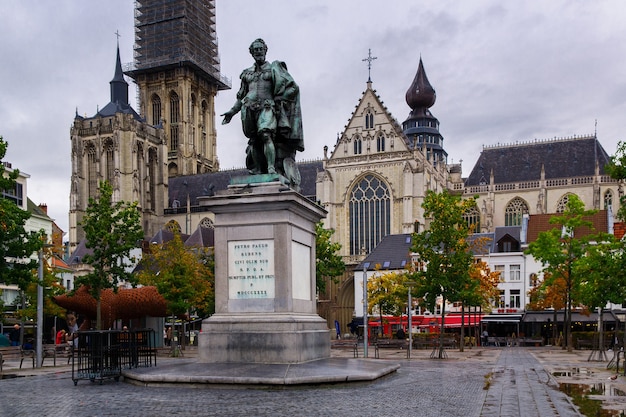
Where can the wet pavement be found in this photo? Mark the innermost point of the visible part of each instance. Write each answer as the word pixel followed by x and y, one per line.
pixel 508 381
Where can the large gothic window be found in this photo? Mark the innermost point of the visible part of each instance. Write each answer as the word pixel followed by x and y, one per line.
pixel 370 214
pixel 514 211
pixel 205 109
pixel 156 109
pixel 472 217
pixel 174 119
pixel 562 203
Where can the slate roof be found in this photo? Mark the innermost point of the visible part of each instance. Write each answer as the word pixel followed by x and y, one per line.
pixel 561 158
pixel 393 252
pixel 207 184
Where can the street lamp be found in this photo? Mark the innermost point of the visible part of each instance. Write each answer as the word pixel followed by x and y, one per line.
pixel 39 334
pixel 365 341
pixel 410 284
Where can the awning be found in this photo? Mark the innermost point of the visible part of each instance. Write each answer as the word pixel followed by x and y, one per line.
pixel 544 316
pixel 502 318
pixel 469 319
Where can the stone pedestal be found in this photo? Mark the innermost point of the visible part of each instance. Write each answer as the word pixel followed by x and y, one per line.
pixel 265 308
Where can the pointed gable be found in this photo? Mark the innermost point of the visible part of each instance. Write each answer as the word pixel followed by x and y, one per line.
pixel 373 125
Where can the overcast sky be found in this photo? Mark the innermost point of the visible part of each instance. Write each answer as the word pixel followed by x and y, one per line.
pixel 503 71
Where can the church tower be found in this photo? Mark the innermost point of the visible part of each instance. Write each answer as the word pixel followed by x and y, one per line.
pixel 177 72
pixel 421 127
pixel 117 145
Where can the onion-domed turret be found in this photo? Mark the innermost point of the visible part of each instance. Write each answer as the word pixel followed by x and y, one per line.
pixel 422 128
pixel 420 94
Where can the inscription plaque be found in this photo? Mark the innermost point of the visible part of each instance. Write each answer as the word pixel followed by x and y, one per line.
pixel 251 269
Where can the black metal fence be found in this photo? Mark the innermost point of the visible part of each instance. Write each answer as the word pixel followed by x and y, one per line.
pixel 101 354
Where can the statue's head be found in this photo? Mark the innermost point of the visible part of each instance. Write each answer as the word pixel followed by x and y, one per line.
pixel 258 43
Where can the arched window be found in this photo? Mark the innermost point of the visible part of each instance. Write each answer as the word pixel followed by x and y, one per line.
pixel 174 119
pixel 205 109
pixel 369 120
pixel 92 171
pixel 472 217
pixel 110 162
pixel 608 200
pixel 561 206
pixel 358 146
pixel 514 211
pixel 172 226
pixel 207 223
pixel 370 214
pixel 151 178
pixel 156 109
pixel 380 143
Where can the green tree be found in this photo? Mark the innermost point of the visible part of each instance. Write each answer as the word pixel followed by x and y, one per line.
pixel 112 230
pixel 389 292
pixel 328 264
pixel 616 168
pixel 444 256
pixel 51 288
pixel 560 250
pixel 182 275
pixel 17 246
pixel 602 279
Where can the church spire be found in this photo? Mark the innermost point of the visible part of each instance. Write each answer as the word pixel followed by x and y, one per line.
pixel 119 86
pixel 420 95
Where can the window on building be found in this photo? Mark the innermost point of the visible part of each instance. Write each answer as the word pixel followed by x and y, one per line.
pixel 514 211
pixel 515 299
pixel 16 195
pixel 501 300
pixel 472 217
pixel 92 171
pixel 369 214
pixel 380 143
pixel 172 226
pixel 110 162
pixel 205 107
pixel 156 109
pixel 608 200
pixel 358 146
pixel 501 270
pixel 174 120
pixel 562 203
pixel 534 280
pixel 369 120
pixel 515 273
pixel 152 169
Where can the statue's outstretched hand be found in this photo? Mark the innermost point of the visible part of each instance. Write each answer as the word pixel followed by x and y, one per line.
pixel 227 117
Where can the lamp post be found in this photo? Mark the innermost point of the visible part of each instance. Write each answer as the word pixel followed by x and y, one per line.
pixel 365 341
pixel 39 334
pixel 39 351
pixel 410 285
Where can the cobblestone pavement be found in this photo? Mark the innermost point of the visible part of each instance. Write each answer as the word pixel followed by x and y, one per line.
pixel 520 384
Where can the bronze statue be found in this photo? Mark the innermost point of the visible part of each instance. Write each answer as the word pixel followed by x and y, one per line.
pixel 269 101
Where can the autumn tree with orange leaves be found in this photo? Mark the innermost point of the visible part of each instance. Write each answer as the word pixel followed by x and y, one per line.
pixel 184 277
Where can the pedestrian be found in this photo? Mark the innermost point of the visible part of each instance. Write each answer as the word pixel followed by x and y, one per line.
pixel 72 329
pixel 168 337
pixel 60 337
pixel 14 335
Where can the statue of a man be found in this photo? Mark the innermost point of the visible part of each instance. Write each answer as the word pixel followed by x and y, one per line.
pixel 269 101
